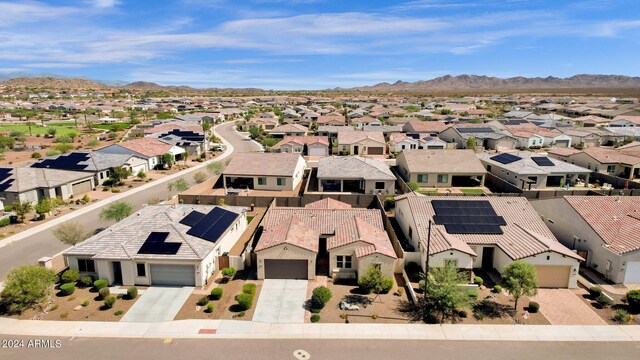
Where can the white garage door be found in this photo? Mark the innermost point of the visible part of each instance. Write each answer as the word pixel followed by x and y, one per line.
pixel 317 151
pixel 174 275
pixel 81 188
pixel 135 170
pixel 632 275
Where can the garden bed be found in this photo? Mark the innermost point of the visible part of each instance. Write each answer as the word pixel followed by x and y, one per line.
pixel 606 313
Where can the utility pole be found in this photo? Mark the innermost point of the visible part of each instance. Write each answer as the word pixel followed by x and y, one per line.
pixel 426 274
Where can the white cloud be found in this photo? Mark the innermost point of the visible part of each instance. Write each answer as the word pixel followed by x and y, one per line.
pixel 104 3
pixel 12 13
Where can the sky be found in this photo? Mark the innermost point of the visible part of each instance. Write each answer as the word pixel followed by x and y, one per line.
pixel 316 44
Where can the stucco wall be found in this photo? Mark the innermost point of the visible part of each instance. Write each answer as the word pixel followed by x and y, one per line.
pixel 291 252
pixel 501 260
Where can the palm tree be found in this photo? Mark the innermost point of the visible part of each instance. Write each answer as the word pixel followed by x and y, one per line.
pixel 30 124
pixel 206 125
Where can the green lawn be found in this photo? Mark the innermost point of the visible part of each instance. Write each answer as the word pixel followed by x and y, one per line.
pixel 121 126
pixel 37 129
pixel 428 192
pixel 249 218
pixel 472 191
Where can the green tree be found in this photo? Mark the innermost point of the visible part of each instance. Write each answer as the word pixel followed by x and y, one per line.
pixel 519 278
pixel 471 143
pixel 167 160
pixel 206 126
pixel 27 286
pixel 373 281
pixel 119 173
pixel 6 142
pixel 45 205
pixel 71 233
pixel 116 211
pixel 141 175
pixel 179 185
pixel 413 186
pixel 52 131
pixel 30 124
pixel 443 294
pixel 22 209
pixel 73 135
pixel 216 168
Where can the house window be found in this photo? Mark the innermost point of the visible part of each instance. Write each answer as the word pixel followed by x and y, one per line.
pixel 443 178
pixel 142 270
pixel 402 147
pixel 534 179
pixel 379 185
pixel 262 181
pixel 410 233
pixel 282 181
pixel 489 168
pixel 297 150
pixel 423 178
pixel 86 265
pixel 611 169
pixel 343 262
pixel 451 262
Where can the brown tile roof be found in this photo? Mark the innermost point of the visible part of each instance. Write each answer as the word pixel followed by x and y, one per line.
pixel 292 231
pixel 147 146
pixel 359 230
pixel 524 235
pixel 327 203
pixel 265 164
pixel 426 126
pixel 443 161
pixel 302 140
pixel 346 138
pixel 289 128
pixel 616 219
pixel 330 119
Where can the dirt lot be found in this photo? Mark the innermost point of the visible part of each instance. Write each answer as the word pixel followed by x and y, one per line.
pixel 388 308
pixel 66 306
pixel 225 308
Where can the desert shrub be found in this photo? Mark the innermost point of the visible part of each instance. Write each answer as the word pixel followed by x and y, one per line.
pixel 132 292
pixel 421 284
pixel 315 311
pixel 68 288
pixel 109 301
pixel 321 295
pixel 5 221
pixel 52 153
pixel 64 315
pixel 216 293
pixel 101 283
pixel 85 303
pixel 244 301
pixel 533 307
pixel 621 316
pixel 228 273
pixel 315 318
pixel 603 301
pixel 210 308
pixel 26 286
pixel 497 289
pixel 203 301
pixel 70 276
pixel 478 281
pixel 595 291
pixel 473 294
pixel 249 289
pixel 199 177
pixel 633 299
pixel 118 313
pixel 54 307
pixel 36 155
pixel 86 281
pixel 104 293
pixel 463 314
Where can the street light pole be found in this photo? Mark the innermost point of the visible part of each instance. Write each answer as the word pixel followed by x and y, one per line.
pixel 426 274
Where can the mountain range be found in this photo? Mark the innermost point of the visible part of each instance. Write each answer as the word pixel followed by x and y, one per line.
pixel 583 83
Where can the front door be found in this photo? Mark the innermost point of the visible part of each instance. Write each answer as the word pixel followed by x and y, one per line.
pixel 487 257
pixel 117 272
pixel 356 150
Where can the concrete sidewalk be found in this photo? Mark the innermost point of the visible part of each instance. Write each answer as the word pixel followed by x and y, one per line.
pixel 256 330
pixel 97 205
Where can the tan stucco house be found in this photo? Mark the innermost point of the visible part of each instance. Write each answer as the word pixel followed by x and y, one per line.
pixel 264 171
pixel 441 168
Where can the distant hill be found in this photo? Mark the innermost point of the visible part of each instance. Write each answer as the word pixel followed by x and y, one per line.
pixel 53 83
pixel 143 85
pixel 476 83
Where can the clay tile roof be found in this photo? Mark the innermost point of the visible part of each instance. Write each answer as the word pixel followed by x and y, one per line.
pixel 147 146
pixel 616 219
pixel 327 203
pixel 360 230
pixel 292 231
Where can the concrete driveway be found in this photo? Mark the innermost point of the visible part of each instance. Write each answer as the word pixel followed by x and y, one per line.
pixel 158 304
pixel 563 307
pixel 281 301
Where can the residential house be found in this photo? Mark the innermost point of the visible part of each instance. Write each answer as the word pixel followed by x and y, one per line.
pixel 433 128
pixel 486 137
pixel 441 168
pixel 361 143
pixel 305 145
pixel 602 229
pixel 288 130
pixel 25 184
pixel 400 141
pixel 146 148
pixel 354 174
pixel 623 162
pixel 359 122
pixel 484 232
pixel 331 120
pixel 193 142
pixel 529 170
pixel 264 123
pixel 264 171
pixel 332 131
pixel 168 245
pixel 326 238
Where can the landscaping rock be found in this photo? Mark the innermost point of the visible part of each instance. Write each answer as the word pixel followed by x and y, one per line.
pixel 78 307
pixel 346 306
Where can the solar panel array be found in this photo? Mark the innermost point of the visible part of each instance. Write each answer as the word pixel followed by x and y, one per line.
pixel 5 182
pixel 213 225
pixel 474 129
pixel 514 122
pixel 192 218
pixel 414 136
pixel 185 135
pixel 71 161
pixel 505 158
pixel 156 245
pixel 542 161
pixel 467 216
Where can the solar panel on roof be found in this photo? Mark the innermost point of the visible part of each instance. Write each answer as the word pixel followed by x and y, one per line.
pixel 467 216
pixel 470 130
pixel 213 224
pixel 72 161
pixel 5 181
pixel 156 245
pixel 505 158
pixel 542 161
pixel 192 218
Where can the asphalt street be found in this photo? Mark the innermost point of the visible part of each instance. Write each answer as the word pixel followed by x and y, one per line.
pixel 43 243
pixel 211 349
